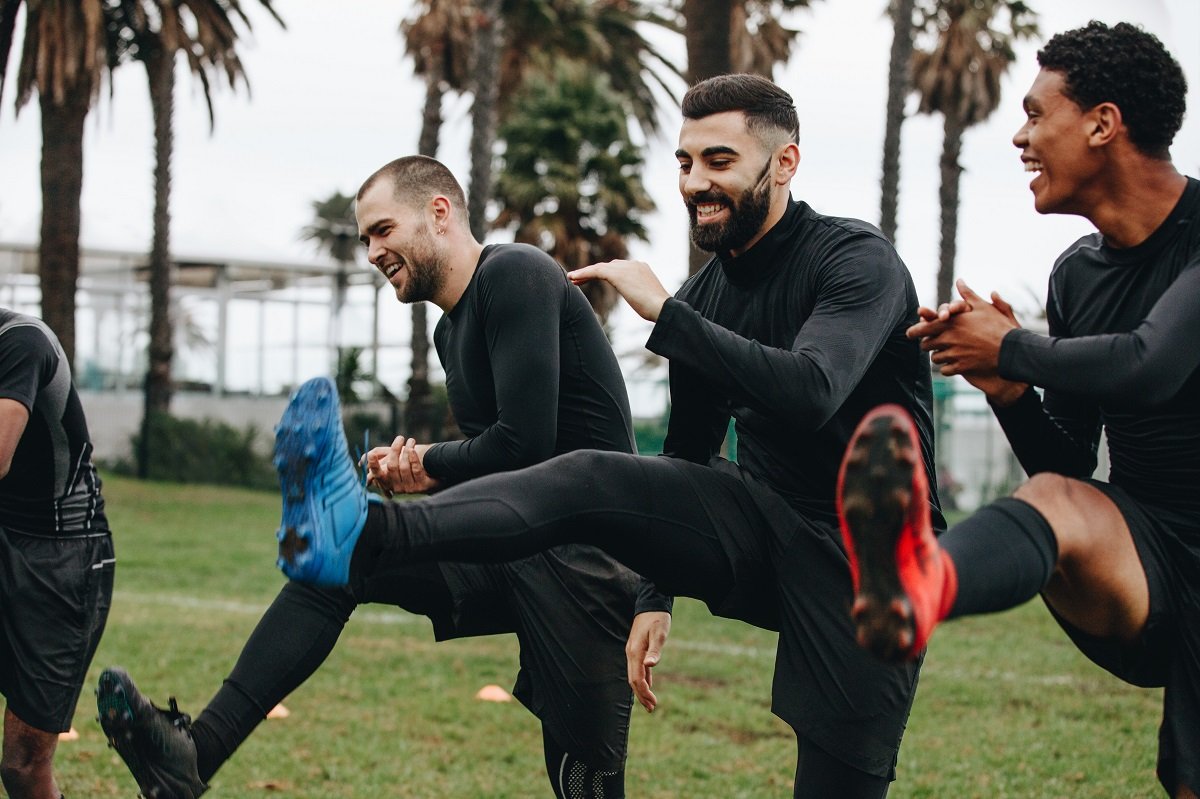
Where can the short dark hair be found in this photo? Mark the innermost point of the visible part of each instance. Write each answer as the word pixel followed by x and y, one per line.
pixel 1128 67
pixel 768 108
pixel 417 178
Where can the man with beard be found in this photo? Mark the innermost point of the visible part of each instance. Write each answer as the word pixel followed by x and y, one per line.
pixel 529 375
pixel 794 329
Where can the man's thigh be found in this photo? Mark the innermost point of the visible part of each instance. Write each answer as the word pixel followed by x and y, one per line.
pixel 55 596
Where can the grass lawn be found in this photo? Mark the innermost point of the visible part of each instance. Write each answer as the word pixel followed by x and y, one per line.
pixel 1006 707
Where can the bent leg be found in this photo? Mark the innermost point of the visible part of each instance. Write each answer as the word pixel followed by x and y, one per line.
pixel 819 773
pixel 1099 584
pixel 573 777
pixel 655 515
pixel 26 763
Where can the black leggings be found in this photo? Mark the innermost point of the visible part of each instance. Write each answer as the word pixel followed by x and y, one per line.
pixel 658 516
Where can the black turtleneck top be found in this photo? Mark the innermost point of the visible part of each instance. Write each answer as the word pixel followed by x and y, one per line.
pixel 796 339
pixel 1123 351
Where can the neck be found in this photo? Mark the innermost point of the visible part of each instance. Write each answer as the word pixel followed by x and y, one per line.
pixel 462 259
pixel 1137 201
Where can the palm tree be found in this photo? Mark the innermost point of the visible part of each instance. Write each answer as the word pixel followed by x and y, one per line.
pixel 899 86
pixel 154 32
pixel 570 182
pixel 959 77
pixel 438 38
pixel 334 231
pixel 64 58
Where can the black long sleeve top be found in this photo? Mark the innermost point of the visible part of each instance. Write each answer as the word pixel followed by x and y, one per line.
pixel 796 340
pixel 529 374
pixel 1123 352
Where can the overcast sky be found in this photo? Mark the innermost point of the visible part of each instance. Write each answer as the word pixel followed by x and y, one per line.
pixel 333 98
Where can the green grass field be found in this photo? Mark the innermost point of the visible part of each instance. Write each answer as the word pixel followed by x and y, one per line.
pixel 1006 707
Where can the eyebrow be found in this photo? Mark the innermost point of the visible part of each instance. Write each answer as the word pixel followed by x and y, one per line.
pixel 374 228
pixel 708 152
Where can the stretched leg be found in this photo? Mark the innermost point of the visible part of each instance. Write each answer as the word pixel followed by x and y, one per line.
pixel 171 756
pixel 27 760
pixel 658 516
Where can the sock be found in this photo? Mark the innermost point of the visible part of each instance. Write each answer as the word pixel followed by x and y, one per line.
pixel 368 548
pixel 1004 555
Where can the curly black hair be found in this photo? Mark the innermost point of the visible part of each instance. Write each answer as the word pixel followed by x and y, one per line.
pixel 1128 67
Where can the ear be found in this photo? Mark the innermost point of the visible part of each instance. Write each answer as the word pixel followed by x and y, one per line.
pixel 1104 124
pixel 787 161
pixel 441 210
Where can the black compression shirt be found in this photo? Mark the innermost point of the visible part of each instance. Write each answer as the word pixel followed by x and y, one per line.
pixel 52 488
pixel 529 372
pixel 529 375
pixel 1122 352
pixel 796 339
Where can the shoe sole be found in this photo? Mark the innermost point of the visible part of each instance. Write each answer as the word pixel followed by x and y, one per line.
pixel 877 493
pixel 116 718
pixel 294 456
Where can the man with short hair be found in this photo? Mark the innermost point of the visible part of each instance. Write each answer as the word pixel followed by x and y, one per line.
pixel 56 553
pixel 794 329
pixel 1117 562
pixel 530 374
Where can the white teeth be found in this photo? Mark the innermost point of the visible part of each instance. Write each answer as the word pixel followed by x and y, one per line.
pixel 708 209
pixel 1033 166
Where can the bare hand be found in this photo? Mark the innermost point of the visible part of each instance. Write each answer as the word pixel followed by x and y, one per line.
pixel 647 637
pixel 399 469
pixel 633 280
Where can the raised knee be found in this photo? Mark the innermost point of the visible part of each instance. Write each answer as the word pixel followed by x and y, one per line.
pixel 1044 489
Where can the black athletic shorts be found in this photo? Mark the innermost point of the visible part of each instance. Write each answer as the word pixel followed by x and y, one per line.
pixel 571 608
pixel 791 573
pixel 55 594
pixel 1167 654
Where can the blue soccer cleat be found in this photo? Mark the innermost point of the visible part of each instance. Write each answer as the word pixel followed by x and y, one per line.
pixel 324 504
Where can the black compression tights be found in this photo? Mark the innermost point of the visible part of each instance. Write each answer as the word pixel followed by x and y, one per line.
pixel 820 774
pixel 658 516
pixel 573 778
pixel 291 641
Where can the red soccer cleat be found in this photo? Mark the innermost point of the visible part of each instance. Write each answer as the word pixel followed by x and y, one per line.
pixel 904 583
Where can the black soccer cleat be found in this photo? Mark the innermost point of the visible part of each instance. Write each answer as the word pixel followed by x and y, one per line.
pixel 155 744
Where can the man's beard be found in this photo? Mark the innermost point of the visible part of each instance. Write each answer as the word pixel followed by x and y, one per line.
pixel 426 271
pixel 746 216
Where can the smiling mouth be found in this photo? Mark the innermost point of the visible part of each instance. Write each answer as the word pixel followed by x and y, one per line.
pixel 390 271
pixel 1033 165
pixel 708 210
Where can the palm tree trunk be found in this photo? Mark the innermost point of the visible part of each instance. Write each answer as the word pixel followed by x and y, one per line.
pixel 948 196
pixel 489 38
pixel 709 53
pixel 62 187
pixel 418 409
pixel 160 69
pixel 709 45
pixel 899 83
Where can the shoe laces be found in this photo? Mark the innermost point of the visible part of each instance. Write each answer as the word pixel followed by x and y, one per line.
pixel 360 457
pixel 177 717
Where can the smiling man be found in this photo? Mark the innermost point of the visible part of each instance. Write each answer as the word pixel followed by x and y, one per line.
pixel 529 374
pixel 794 329
pixel 1117 562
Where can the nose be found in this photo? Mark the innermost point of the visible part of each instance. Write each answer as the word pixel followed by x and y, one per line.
pixel 694 181
pixel 1021 138
pixel 374 250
